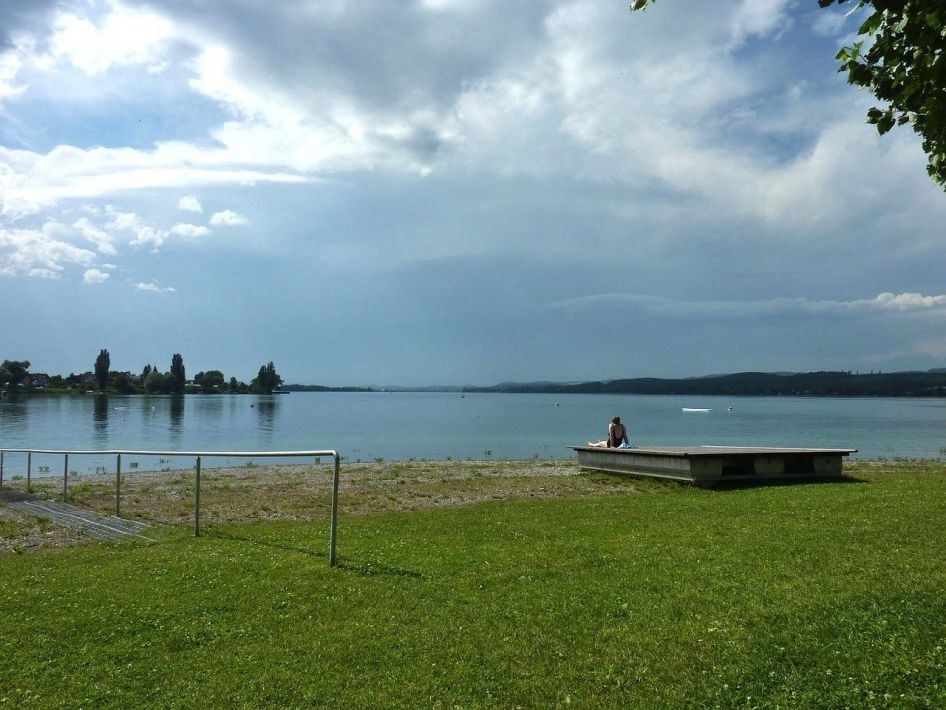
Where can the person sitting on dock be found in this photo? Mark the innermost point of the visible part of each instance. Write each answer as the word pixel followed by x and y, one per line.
pixel 617 434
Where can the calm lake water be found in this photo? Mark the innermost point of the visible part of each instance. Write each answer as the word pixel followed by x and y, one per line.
pixel 401 425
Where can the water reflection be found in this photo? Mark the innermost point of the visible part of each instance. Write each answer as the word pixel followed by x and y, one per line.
pixel 100 419
pixel 267 409
pixel 13 417
pixel 176 411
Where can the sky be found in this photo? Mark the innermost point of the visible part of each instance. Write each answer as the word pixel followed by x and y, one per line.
pixel 449 192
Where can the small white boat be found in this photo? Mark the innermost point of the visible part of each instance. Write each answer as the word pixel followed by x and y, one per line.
pixel 696 409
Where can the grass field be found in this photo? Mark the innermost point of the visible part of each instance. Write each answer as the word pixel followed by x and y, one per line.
pixel 820 595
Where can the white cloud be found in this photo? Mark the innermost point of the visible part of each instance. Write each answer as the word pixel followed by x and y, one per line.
pixel 909 302
pixel 623 303
pixel 228 218
pixel 153 287
pixel 131 222
pixel 189 204
pixel 103 241
pixel 828 23
pixel 94 276
pixel 562 94
pixel 758 18
pixel 43 253
pixel 123 36
pixel 50 274
pixel 189 230
pixel 9 67
pixel 32 181
pixel 123 220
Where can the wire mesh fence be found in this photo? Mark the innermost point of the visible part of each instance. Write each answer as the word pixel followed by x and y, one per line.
pixel 159 486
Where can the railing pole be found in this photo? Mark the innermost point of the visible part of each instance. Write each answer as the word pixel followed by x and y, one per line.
pixel 1 469
pixel 331 538
pixel 29 470
pixel 197 501
pixel 118 484
pixel 65 479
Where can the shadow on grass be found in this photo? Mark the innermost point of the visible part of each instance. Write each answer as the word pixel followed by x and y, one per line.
pixel 367 568
pixel 261 542
pixel 15 496
pixel 371 569
pixel 644 483
pixel 806 481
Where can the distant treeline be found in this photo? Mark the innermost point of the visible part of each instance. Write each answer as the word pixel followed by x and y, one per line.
pixel 811 384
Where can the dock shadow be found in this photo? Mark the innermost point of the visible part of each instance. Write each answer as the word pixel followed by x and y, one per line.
pixel 806 481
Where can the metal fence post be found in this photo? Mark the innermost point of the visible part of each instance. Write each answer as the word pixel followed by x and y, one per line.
pixel 65 479
pixel 29 470
pixel 197 501
pixel 118 484
pixel 1 469
pixel 331 537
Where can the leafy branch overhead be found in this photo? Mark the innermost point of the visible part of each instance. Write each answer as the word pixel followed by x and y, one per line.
pixel 901 59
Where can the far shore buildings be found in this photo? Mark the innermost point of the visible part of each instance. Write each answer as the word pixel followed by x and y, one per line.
pixel 38 379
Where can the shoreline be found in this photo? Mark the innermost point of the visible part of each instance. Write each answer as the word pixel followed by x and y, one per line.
pixel 302 492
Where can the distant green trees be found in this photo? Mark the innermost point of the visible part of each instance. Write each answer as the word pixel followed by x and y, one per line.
pixel 122 383
pixel 210 381
pixel 267 380
pixel 102 364
pixel 178 376
pixel 150 379
pixel 12 373
pixel 158 383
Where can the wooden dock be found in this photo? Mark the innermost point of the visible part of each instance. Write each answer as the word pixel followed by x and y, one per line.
pixel 709 465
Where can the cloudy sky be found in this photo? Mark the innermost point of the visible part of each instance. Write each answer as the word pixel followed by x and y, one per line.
pixel 456 192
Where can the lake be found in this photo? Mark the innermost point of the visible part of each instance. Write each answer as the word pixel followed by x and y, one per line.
pixel 403 425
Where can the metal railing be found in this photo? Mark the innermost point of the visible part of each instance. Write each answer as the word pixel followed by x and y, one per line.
pixel 198 455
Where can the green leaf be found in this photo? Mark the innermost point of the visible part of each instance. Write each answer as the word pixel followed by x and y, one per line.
pixel 885 123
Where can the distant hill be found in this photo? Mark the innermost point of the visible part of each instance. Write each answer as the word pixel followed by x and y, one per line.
pixel 813 384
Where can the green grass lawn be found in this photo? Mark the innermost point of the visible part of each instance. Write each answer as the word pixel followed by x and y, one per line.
pixel 827 595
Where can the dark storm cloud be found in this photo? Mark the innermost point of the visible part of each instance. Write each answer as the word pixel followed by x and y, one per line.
pixel 387 54
pixel 22 15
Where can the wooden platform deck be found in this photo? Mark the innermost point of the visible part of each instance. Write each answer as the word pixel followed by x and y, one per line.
pixel 709 465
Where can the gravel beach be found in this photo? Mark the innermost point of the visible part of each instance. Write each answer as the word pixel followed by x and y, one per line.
pixel 303 492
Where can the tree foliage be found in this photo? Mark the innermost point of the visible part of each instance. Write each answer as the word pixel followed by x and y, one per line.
pixel 210 381
pixel 122 383
pixel 12 372
pixel 158 382
pixel 900 57
pixel 904 65
pixel 178 375
pixel 267 380
pixel 102 364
